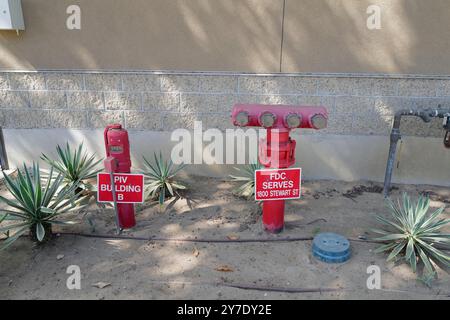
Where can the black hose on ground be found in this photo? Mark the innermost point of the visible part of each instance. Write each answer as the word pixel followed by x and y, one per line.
pixel 164 239
pixel 206 240
pixel 211 240
pixel 320 290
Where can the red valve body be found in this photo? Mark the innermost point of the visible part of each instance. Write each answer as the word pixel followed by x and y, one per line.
pixel 117 146
pixel 275 151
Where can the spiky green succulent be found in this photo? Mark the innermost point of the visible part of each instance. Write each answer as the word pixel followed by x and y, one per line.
pixel 36 204
pixel 76 165
pixel 414 233
pixel 247 189
pixel 160 178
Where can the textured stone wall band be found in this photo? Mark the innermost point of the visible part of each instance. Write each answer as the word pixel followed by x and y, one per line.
pixel 153 101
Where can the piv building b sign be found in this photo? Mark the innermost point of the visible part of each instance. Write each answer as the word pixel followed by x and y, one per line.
pixel 129 188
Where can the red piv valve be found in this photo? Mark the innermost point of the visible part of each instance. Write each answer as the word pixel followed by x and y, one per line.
pixel 277 150
pixel 118 160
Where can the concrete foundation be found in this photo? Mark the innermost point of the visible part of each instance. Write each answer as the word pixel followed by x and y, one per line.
pixel 322 156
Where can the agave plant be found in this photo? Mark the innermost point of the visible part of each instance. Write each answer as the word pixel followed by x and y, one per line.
pixel 414 233
pixel 76 165
pixel 160 178
pixel 36 204
pixel 246 190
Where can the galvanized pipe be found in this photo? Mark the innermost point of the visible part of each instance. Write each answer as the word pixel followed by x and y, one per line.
pixel 3 156
pixel 426 115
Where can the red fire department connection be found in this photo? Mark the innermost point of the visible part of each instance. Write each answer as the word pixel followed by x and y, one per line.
pixel 277 150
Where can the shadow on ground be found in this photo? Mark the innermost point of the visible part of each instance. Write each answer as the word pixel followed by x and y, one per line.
pixel 170 270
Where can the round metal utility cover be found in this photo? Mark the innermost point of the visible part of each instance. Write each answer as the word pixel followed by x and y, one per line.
pixel 331 247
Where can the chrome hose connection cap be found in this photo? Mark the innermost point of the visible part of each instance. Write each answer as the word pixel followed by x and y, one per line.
pixel 293 120
pixel 242 118
pixel 267 119
pixel 318 121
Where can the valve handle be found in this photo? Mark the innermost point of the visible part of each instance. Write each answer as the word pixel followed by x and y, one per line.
pixel 105 135
pixel 446 122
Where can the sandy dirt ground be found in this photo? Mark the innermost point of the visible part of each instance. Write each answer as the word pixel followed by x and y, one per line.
pixel 189 270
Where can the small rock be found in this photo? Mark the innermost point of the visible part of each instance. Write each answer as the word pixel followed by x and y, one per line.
pixel 232 237
pixel 101 284
pixel 224 268
pixel 59 256
pixel 195 252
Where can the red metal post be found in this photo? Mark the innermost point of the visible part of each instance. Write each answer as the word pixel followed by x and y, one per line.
pixel 117 146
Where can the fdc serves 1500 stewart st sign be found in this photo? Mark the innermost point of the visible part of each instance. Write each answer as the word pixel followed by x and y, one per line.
pixel 277 184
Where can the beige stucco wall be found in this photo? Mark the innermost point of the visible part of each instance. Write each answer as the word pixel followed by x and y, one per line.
pixel 233 35
pixel 331 36
pixel 147 35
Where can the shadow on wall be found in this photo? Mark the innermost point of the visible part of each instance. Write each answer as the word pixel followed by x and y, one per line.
pixel 148 35
pixel 332 36
pixel 235 35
